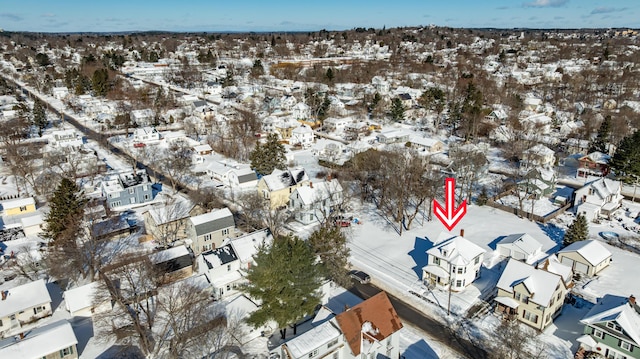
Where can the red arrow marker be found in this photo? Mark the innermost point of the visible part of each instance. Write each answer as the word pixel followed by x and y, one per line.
pixel 449 216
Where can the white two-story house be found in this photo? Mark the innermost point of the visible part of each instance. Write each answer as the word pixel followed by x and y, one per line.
pixel 598 198
pixel 23 305
pixel 453 261
pixel 314 202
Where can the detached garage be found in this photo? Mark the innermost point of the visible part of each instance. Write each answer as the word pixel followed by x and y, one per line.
pixel 520 246
pixel 585 257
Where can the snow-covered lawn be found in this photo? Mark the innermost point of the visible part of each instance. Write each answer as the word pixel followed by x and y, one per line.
pixel 541 207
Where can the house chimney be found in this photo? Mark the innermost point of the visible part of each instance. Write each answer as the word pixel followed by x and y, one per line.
pixel 632 300
pixel 311 184
pixel 4 294
pixel 21 336
pixel 462 233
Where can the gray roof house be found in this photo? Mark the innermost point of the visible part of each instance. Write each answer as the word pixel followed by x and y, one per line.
pixel 208 231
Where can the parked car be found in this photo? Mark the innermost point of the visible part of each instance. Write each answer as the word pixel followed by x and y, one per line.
pixel 360 276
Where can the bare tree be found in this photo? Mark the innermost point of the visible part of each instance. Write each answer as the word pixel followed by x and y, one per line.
pixel 175 162
pixel 170 321
pixel 514 340
pixel 170 218
pixel 24 162
pixel 257 213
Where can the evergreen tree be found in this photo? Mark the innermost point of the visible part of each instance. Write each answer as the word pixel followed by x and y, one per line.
pixel 39 116
pixel 600 143
pixel 228 79
pixel 286 279
pixel 257 70
pixel 577 231
pixel 268 156
pixel 330 244
pixel 66 205
pixel 329 74
pixel 43 59
pixel 626 161
pixel 397 110
pixel 100 82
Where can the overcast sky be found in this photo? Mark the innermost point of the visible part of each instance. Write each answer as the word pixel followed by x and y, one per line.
pixel 301 15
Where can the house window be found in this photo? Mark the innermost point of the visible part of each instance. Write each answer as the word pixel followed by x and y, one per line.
pixel 66 351
pixel 311 217
pixel 146 197
pixel 225 231
pixel 228 267
pixel 131 191
pixel 132 200
pixel 517 296
pixel 23 208
pixel 332 343
pixel 37 310
pixel 460 269
pixel 624 345
pixel 313 353
pixel 207 237
pixel 530 316
pixel 436 261
pixel 477 260
pixel 598 333
pixel 525 299
pixel 458 283
pixel 614 326
pixel 145 187
pixel 116 204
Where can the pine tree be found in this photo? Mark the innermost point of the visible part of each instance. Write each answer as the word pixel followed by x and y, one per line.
pixel 268 156
pixel 39 116
pixel 66 205
pixel 329 74
pixel 397 110
pixel 286 279
pixel 100 82
pixel 602 139
pixel 330 244
pixel 577 231
pixel 625 163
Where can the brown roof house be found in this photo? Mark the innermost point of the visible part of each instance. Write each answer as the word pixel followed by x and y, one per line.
pixel 368 330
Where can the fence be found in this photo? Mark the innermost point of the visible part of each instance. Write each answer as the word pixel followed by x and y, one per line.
pixel 524 214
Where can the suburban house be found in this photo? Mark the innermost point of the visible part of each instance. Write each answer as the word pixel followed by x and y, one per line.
pixel 201 152
pixel 146 135
pixel 125 188
pixel 533 296
pixel 173 263
pixel 226 267
pixel 587 257
pixel 612 328
pixel 598 198
pixel 17 206
pixel 520 246
pixel 575 145
pixel 278 186
pixel 453 262
pixel 594 164
pixel 232 174
pixel 313 203
pixel 302 136
pixel 66 138
pixel 425 144
pixel 23 305
pixel 539 182
pixel 333 124
pixel 52 341
pixel 59 92
pixel 393 136
pixel 538 156
pixel 368 330
pixel 208 231
pixel 301 111
pixel 79 301
pixel 168 222
pixel 143 118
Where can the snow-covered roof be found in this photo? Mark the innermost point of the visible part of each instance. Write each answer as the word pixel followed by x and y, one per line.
pixel 315 338
pixel 18 202
pixel 318 191
pixel 171 212
pixel 202 148
pixel 618 309
pixel 605 187
pixel 553 265
pixel 246 246
pixel 592 251
pixel 40 342
pixel 280 179
pixel 31 221
pixel 24 297
pixel 540 284
pixel 522 241
pixel 540 150
pixel 219 256
pixel 169 254
pixel 213 221
pixel 456 250
pixel 80 297
pixel 240 307
pixel 597 157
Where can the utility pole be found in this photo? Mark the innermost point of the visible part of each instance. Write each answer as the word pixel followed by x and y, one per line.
pixel 450 283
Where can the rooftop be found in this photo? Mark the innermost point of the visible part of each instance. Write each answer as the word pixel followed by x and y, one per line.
pixel 24 297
